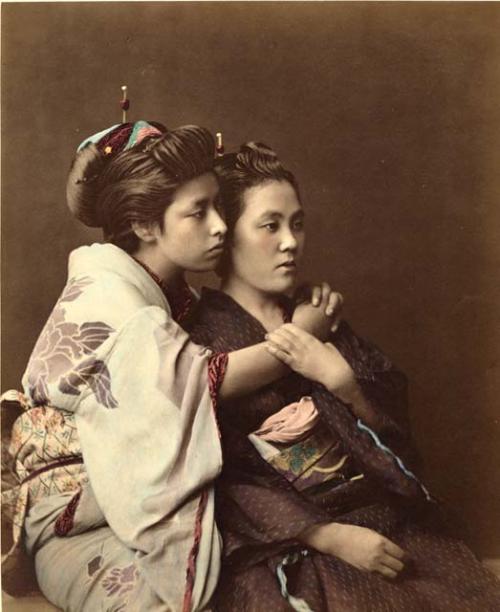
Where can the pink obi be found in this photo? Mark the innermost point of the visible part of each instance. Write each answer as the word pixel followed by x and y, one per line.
pixel 291 423
pixel 301 448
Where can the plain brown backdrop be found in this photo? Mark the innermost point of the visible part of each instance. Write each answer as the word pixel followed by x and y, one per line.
pixel 388 114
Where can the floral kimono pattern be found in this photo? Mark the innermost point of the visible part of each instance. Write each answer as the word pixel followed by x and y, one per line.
pixel 118 447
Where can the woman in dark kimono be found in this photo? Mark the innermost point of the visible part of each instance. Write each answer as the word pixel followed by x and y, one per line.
pixel 317 504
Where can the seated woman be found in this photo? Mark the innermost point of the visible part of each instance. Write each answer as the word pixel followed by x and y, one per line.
pixel 118 447
pixel 316 503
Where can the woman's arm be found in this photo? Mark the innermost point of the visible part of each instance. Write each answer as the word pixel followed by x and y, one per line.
pixel 249 369
pixel 254 367
pixel 363 548
pixel 322 363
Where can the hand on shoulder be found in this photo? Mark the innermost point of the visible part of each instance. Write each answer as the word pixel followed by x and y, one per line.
pixel 318 309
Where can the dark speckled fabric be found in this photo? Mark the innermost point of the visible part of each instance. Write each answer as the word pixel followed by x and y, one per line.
pixel 260 514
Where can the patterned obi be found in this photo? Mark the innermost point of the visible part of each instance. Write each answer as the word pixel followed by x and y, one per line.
pixel 304 451
pixel 44 458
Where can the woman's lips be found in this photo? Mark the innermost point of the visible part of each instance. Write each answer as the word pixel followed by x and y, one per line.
pixel 288 267
pixel 215 251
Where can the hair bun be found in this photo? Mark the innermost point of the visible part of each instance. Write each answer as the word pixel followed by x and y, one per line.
pixel 81 185
pixel 257 157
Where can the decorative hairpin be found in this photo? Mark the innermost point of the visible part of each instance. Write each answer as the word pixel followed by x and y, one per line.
pixel 124 104
pixel 219 147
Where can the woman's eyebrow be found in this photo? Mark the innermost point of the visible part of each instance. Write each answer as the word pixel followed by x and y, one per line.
pixel 274 214
pixel 204 202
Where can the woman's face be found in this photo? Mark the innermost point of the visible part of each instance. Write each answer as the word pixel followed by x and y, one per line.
pixel 193 230
pixel 268 238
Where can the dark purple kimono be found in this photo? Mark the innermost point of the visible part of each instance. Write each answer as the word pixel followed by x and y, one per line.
pixel 260 514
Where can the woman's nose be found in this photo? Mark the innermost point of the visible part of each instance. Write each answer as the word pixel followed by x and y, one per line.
pixel 288 241
pixel 217 227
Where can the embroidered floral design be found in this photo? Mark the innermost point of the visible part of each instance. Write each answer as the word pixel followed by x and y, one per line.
pixel 295 459
pixel 120 580
pixel 59 351
pixel 45 458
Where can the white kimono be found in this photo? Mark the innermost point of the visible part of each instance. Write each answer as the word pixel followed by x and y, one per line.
pixel 112 358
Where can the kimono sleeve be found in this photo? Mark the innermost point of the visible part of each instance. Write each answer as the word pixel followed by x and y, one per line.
pixel 153 452
pixel 383 384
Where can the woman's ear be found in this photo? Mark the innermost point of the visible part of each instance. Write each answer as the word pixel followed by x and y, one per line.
pixel 144 231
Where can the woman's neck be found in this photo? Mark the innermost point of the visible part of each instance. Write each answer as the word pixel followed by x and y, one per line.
pixel 169 274
pixel 265 307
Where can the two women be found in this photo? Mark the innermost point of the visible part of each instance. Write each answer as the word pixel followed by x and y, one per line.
pixel 317 504
pixel 118 448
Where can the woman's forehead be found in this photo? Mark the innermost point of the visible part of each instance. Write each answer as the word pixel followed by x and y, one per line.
pixel 203 187
pixel 271 197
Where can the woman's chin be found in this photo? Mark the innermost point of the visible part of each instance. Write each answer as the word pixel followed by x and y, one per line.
pixel 284 286
pixel 205 266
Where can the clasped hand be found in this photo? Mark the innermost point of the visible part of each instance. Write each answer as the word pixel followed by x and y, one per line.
pixel 318 310
pixel 311 358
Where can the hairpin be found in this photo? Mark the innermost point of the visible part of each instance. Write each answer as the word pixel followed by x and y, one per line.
pixel 124 104
pixel 219 147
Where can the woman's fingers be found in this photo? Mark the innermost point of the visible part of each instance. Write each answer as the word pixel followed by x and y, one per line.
pixel 288 336
pixel 291 332
pixel 278 353
pixel 394 550
pixel 335 302
pixel 335 324
pixel 280 340
pixel 387 572
pixel 316 295
pixel 320 295
pixel 392 563
pixel 326 291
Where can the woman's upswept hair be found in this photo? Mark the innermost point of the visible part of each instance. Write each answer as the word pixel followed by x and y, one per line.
pixel 138 184
pixel 254 164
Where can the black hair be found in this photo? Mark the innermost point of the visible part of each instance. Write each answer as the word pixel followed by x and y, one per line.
pixel 138 184
pixel 254 164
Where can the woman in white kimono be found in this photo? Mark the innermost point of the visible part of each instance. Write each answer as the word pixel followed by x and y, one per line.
pixel 118 446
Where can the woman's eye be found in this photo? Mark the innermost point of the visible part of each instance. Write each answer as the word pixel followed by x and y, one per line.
pixel 271 227
pixel 298 225
pixel 199 214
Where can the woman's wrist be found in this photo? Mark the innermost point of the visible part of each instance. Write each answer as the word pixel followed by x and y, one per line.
pixel 353 395
pixel 342 384
pixel 320 536
pixel 350 393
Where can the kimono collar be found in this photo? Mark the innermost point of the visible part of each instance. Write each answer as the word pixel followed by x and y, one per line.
pixel 181 299
pixel 108 259
pixel 223 302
